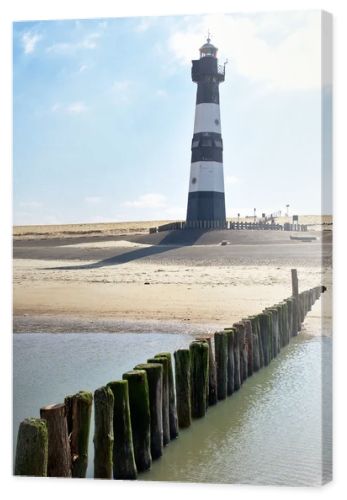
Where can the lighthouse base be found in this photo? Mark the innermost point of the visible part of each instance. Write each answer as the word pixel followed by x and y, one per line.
pixel 206 206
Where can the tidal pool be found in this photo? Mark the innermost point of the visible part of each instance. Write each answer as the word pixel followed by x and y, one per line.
pixel 275 430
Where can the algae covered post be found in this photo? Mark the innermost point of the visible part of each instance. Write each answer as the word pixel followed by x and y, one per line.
pixel 172 396
pixel 103 433
pixel 221 351
pixel 199 377
pixel 155 385
pixel 163 360
pixel 78 414
pixel 182 376
pixel 140 417
pixel 124 466
pixel 32 448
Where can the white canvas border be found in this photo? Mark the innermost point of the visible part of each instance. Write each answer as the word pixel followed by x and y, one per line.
pixel 40 9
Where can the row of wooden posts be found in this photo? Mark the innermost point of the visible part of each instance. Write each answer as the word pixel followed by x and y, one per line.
pixel 136 417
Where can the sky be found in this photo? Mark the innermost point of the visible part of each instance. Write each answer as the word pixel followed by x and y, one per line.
pixel 103 114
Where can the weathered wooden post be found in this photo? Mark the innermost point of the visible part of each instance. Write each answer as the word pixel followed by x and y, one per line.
pixel 295 283
pixel 255 333
pixel 140 417
pixel 237 360
pixel 240 328
pixel 221 353
pixel 230 361
pixel 103 433
pixel 295 321
pixel 59 455
pixel 249 342
pixel 212 374
pixel 264 333
pixel 78 414
pixel 295 294
pixel 124 466
pixel 155 386
pixel 163 360
pixel 275 331
pixel 32 448
pixel 172 396
pixel 182 375
pixel 290 308
pixel 199 377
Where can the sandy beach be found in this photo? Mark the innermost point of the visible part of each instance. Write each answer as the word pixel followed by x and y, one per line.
pixel 82 280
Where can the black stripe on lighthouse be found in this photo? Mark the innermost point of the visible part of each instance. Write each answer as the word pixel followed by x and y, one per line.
pixel 207 92
pixel 207 146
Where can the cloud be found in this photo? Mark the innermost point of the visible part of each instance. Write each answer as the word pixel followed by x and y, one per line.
pixel 266 52
pixel 89 42
pixel 93 200
pixel 29 41
pixel 76 108
pixel 149 200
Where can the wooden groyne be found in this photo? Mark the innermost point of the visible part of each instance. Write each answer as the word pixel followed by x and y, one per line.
pixel 138 416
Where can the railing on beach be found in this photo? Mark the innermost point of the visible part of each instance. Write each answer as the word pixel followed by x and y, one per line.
pixel 136 417
pixel 219 224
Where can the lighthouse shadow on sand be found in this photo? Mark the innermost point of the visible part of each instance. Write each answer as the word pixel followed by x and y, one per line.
pixel 169 241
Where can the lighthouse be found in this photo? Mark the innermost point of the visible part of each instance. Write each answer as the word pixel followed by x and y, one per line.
pixel 206 200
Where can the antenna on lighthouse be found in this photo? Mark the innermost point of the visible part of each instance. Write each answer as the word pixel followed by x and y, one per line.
pixel 208 36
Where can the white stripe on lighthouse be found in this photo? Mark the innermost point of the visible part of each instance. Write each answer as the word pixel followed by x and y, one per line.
pixel 206 176
pixel 207 118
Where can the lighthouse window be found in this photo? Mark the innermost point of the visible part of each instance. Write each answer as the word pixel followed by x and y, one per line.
pixel 218 143
pixel 195 144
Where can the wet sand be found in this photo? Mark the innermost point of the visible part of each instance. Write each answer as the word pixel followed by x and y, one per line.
pixel 136 282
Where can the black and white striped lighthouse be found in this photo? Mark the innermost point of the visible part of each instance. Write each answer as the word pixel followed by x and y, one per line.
pixel 206 200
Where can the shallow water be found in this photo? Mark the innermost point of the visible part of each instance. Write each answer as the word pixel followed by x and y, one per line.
pixel 270 432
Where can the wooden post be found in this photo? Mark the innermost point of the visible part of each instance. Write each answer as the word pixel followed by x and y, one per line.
pixel 240 328
pixel 237 360
pixel 249 341
pixel 155 386
pixel 172 396
pixel 230 332
pixel 290 310
pixel 163 360
pixel 271 333
pixel 221 353
pixel 182 374
pixel 199 377
pixel 212 373
pixel 295 320
pixel 264 333
pixel 256 352
pixel 78 414
pixel 295 283
pixel 32 448
pixel 124 466
pixel 59 455
pixel 103 433
pixel 140 417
